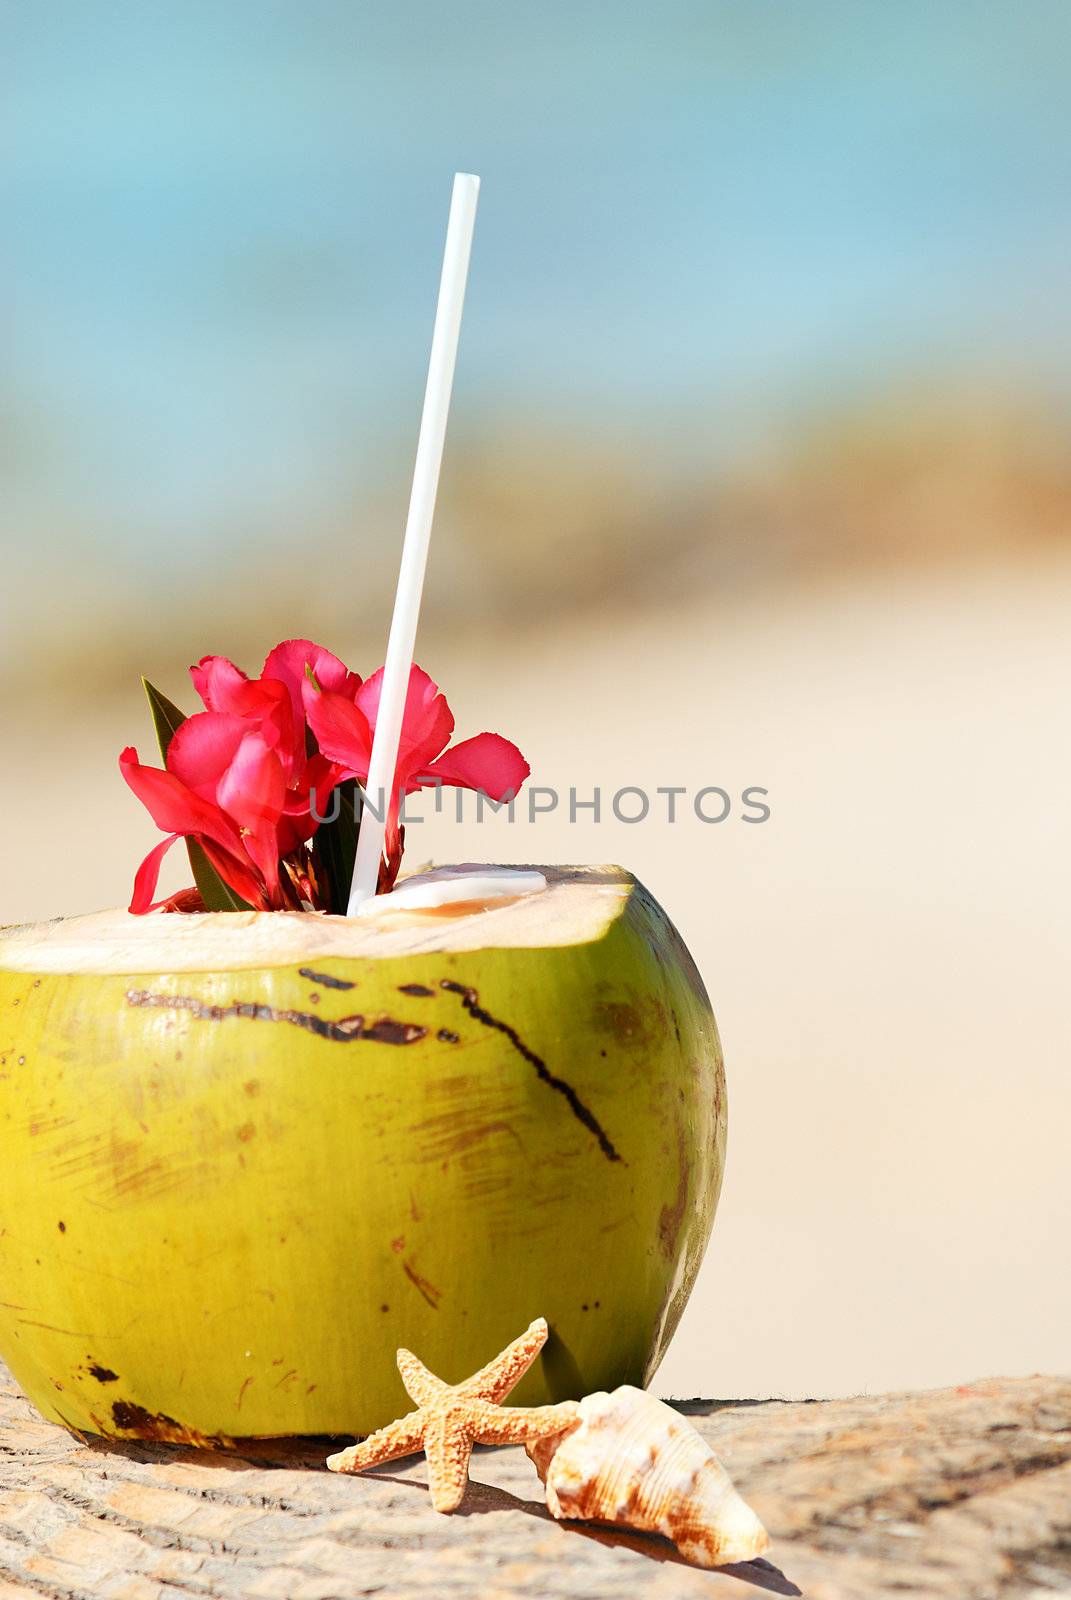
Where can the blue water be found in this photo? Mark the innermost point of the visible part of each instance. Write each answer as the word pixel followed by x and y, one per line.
pixel 223 220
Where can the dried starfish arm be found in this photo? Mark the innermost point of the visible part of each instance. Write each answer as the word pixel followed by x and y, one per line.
pixel 402 1438
pixel 519 1424
pixel 420 1384
pixel 498 1377
pixel 448 1447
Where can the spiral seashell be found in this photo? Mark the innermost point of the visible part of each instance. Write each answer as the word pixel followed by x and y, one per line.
pixel 634 1462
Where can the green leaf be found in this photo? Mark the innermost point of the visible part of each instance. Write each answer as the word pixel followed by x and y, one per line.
pixel 217 895
pixel 336 844
pixel 166 717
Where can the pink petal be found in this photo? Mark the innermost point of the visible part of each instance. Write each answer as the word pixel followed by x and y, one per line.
pixel 252 792
pixel 426 725
pixel 264 704
pixel 173 807
pixel 253 789
pixel 342 732
pixel 203 748
pixel 486 762
pixel 298 822
pixel 288 661
pixel 221 685
pixel 291 832
pixel 323 776
pixel 141 901
pixel 283 728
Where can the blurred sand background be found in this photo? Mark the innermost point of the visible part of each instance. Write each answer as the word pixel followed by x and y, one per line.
pixel 759 475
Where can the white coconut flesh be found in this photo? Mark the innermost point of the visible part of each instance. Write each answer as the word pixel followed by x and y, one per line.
pixel 468 907
pixel 453 886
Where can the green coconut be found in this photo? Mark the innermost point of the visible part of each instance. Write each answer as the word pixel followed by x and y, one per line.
pixel 244 1157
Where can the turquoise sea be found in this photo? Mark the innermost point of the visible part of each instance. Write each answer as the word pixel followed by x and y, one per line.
pixel 222 222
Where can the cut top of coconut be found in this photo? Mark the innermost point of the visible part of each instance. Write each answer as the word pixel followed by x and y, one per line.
pixel 574 905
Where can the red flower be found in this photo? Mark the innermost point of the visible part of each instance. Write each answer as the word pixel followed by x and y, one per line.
pixel 344 723
pixel 238 778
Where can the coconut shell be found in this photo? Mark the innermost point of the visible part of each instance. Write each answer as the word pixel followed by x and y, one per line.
pixel 245 1155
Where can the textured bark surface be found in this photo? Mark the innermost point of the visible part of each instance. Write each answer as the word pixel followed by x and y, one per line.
pixel 962 1492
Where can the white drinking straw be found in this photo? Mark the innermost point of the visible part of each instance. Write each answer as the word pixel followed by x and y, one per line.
pixel 429 456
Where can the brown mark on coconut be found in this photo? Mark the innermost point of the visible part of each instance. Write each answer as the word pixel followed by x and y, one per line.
pixel 445 1136
pixel 31 1322
pixel 325 980
pixel 671 1217
pixel 624 1023
pixel 344 1030
pixel 130 1418
pixel 428 1290
pixel 470 1000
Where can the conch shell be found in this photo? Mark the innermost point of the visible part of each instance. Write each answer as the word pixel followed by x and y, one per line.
pixel 634 1462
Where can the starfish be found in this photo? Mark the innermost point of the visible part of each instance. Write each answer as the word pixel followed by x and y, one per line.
pixel 451 1418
